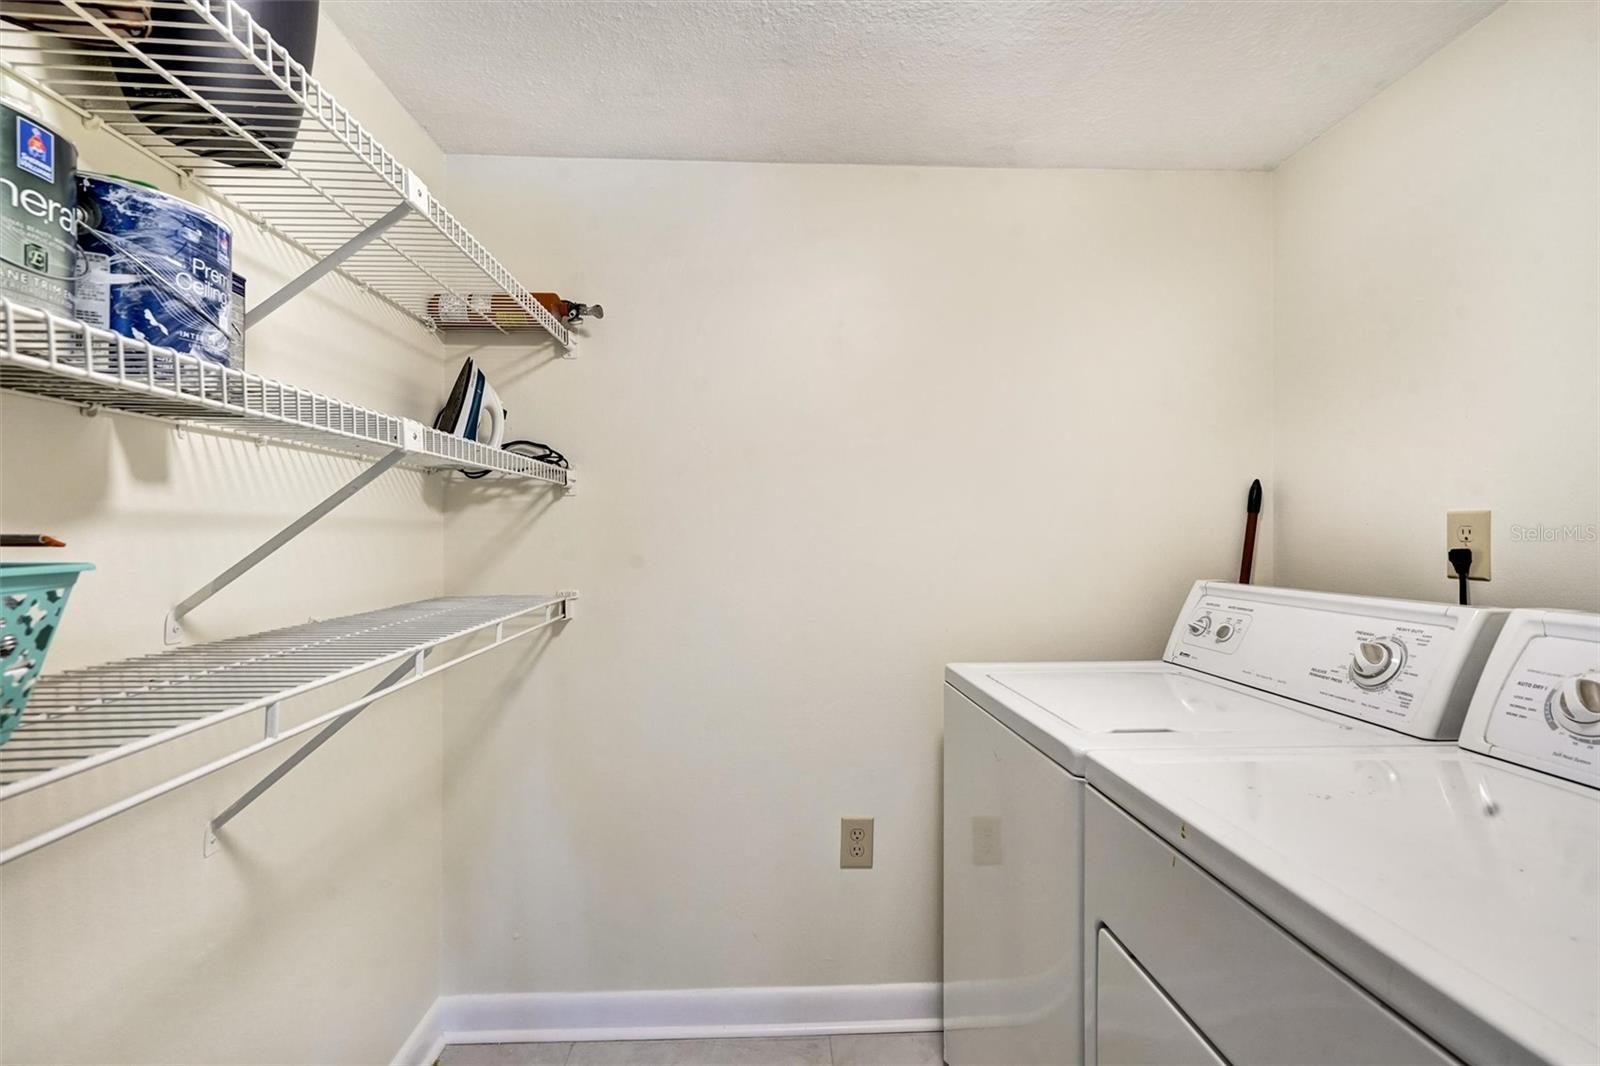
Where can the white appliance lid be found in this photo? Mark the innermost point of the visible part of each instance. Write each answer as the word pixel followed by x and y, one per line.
pixel 1067 710
pixel 1144 701
pixel 1460 889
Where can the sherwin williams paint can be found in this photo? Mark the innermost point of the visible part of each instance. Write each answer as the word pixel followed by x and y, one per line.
pixel 38 216
pixel 153 267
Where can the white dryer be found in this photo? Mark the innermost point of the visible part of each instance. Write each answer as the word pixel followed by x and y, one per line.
pixel 1243 665
pixel 1378 905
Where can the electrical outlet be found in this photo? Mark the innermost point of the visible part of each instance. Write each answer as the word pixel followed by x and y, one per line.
pixel 986 840
pixel 1468 529
pixel 855 843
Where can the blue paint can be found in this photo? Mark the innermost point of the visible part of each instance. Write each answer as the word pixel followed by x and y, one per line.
pixel 153 267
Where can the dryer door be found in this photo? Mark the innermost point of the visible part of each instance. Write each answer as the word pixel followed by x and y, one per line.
pixel 1260 996
pixel 1136 1022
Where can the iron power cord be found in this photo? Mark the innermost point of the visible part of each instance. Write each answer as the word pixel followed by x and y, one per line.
pixel 534 450
pixel 1461 562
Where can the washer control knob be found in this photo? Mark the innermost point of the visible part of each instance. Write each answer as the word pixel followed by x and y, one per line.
pixel 1580 699
pixel 1225 632
pixel 1200 626
pixel 1375 662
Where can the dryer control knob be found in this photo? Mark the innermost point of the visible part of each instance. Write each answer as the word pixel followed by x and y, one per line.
pixel 1580 698
pixel 1200 626
pixel 1375 662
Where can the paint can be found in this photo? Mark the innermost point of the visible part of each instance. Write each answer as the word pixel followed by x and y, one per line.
pixel 153 267
pixel 38 213
pixel 236 324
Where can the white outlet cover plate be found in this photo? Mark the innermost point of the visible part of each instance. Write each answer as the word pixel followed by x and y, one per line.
pixel 1468 529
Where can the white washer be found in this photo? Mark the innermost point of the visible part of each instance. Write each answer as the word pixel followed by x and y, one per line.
pixel 1244 665
pixel 1376 905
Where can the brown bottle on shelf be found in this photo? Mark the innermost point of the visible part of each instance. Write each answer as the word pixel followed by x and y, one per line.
pixel 568 311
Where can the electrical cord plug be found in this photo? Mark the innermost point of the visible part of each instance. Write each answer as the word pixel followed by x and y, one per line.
pixel 1461 563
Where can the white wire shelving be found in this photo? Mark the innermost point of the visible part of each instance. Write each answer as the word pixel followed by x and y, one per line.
pixel 202 88
pixel 79 721
pixel 199 87
pixel 49 356
pixel 61 359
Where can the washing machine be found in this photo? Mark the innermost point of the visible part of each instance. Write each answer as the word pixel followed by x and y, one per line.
pixel 1243 665
pixel 1392 904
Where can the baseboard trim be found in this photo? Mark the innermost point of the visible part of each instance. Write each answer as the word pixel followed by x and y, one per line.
pixel 426 1042
pixel 675 1014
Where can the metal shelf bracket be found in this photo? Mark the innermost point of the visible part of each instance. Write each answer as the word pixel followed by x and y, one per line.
pixel 329 263
pixel 412 668
pixel 172 630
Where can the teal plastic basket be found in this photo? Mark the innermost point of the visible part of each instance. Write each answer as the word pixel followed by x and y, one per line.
pixel 32 599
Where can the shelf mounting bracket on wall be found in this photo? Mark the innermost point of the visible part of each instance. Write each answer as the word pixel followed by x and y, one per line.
pixel 416 200
pixel 172 631
pixel 411 667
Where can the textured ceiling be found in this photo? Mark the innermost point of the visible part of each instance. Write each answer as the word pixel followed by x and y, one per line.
pixel 1226 85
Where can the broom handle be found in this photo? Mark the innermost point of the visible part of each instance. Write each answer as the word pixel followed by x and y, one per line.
pixel 1252 508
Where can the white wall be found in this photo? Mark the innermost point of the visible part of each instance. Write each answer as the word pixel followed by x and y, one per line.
pixel 313 936
pixel 841 425
pixel 1436 322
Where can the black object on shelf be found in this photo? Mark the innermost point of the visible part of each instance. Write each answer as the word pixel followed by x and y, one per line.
pixel 30 540
pixel 186 45
pixel 131 18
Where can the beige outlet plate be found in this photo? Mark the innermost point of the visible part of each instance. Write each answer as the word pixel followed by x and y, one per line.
pixel 1468 529
pixel 986 841
pixel 855 843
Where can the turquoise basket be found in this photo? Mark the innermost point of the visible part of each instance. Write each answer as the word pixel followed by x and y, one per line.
pixel 32 599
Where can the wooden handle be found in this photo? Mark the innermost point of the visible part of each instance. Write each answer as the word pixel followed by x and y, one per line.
pixel 1249 557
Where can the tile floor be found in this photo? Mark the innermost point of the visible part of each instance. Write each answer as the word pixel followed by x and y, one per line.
pixel 865 1049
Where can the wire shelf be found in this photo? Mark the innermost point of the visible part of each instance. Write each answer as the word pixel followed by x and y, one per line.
pixel 80 720
pixel 46 355
pixel 77 714
pixel 199 86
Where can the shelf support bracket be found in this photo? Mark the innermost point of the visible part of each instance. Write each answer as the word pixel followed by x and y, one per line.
pixel 327 264
pixel 173 630
pixel 412 665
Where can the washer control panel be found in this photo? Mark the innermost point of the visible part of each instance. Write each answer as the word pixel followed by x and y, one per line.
pixel 1539 702
pixel 1395 663
pixel 1222 631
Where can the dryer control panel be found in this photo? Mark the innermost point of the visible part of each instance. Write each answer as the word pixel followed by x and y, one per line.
pixel 1406 665
pixel 1538 704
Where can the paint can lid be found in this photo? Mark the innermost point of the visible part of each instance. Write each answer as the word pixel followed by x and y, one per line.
pixel 151 190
